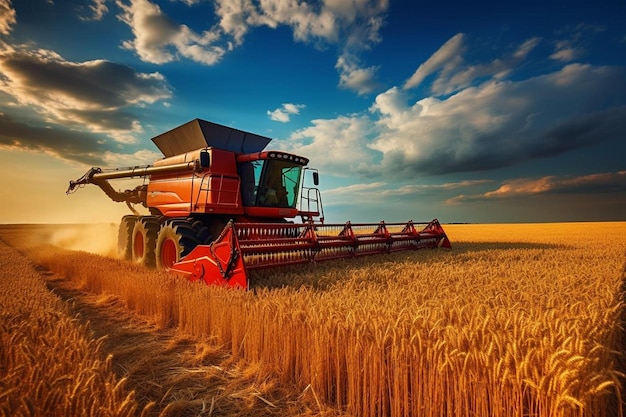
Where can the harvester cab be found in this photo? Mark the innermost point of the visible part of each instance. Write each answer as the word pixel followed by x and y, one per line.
pixel 220 206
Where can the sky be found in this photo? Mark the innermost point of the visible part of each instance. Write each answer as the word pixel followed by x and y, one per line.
pixel 482 112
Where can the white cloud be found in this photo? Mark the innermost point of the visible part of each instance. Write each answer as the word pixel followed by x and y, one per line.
pixel 236 16
pixel 574 42
pixel 139 158
pixel 356 190
pixel 337 146
pixel 307 21
pixel 353 77
pixel 283 113
pixel 564 51
pixel 448 57
pixel 98 9
pixel 7 16
pixel 499 68
pixel 352 26
pixel 380 190
pixel 453 72
pixel 159 40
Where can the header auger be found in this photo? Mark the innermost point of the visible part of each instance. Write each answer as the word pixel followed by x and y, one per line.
pixel 219 207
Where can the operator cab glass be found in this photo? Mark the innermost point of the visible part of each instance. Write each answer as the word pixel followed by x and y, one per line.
pixel 270 183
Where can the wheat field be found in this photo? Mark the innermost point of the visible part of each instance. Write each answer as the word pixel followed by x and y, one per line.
pixel 515 320
pixel 48 363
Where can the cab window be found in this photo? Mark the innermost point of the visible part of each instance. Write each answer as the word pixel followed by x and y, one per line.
pixel 278 184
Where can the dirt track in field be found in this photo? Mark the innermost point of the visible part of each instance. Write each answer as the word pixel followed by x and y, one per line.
pixel 178 376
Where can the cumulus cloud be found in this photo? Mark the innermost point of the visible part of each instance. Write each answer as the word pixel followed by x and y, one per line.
pixel 351 26
pixel 486 126
pixel 500 123
pixel 354 77
pixel 283 113
pixel 337 146
pixel 606 182
pixel 95 95
pixel 158 39
pixel 7 16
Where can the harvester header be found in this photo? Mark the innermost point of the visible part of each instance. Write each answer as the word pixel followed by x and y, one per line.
pixel 221 205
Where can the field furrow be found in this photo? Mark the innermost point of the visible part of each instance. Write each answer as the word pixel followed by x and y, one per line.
pixel 162 372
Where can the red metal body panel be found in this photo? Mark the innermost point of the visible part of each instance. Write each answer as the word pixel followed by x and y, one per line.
pixel 217 264
pixel 249 246
pixel 214 190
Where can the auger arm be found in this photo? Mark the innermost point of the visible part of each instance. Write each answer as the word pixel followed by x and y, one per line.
pixel 95 176
pixel 137 195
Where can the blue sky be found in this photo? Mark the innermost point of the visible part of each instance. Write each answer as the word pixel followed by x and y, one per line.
pixel 465 111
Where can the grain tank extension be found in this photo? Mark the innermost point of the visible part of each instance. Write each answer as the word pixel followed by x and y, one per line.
pixel 220 206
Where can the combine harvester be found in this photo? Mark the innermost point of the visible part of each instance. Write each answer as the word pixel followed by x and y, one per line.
pixel 219 206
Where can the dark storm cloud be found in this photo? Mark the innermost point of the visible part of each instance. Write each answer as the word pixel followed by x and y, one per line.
pixel 93 94
pixel 123 120
pixel 83 147
pixel 100 83
pixel 60 142
pixel 581 131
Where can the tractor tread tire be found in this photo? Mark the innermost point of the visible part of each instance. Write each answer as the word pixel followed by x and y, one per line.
pixel 124 237
pixel 181 234
pixel 146 228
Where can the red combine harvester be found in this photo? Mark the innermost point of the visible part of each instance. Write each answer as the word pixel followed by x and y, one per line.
pixel 219 206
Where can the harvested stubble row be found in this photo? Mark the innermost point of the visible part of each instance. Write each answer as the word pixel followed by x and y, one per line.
pixel 48 364
pixel 516 320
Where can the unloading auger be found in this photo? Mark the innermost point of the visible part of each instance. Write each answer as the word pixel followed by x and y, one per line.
pixel 219 205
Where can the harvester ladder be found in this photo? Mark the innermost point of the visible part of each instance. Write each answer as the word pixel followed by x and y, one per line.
pixel 205 186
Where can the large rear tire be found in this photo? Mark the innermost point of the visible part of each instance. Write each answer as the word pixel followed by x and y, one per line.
pixel 125 237
pixel 177 237
pixel 144 238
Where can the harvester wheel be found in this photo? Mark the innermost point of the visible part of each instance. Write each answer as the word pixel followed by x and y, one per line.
pixel 176 239
pixel 125 237
pixel 144 238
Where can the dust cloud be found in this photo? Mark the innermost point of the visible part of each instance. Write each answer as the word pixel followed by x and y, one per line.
pixel 100 239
